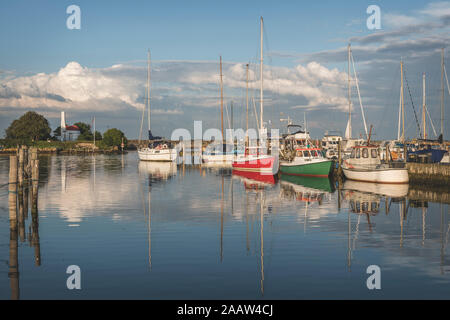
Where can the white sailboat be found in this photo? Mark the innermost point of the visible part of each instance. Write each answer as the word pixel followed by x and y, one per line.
pixel 158 149
pixel 219 153
pixel 364 162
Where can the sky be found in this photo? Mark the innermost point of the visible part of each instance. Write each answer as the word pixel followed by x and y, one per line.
pixel 100 69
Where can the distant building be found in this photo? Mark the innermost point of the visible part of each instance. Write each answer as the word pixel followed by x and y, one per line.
pixel 68 133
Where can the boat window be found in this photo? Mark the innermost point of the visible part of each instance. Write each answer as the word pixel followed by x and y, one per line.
pixel 306 153
pixel 324 143
pixel 374 153
pixel 314 153
pixel 358 153
pixel 353 154
pixel 299 154
pixel 365 153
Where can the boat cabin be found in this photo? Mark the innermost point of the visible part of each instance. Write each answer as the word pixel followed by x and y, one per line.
pixel 364 156
pixel 308 153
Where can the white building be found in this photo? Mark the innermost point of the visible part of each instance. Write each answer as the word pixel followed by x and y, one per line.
pixel 68 133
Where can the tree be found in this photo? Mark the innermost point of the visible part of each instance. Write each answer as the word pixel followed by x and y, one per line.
pixel 98 136
pixel 57 132
pixel 85 131
pixel 113 137
pixel 30 126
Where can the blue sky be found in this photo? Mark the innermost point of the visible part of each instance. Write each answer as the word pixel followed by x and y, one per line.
pixel 35 40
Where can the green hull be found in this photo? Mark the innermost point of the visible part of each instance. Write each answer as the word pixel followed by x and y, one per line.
pixel 320 169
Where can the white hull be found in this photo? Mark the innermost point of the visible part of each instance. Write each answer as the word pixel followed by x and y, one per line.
pixel 387 175
pixel 169 155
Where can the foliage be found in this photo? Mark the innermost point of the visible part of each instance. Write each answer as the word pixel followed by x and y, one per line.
pixel 29 127
pixel 98 136
pixel 85 132
pixel 113 137
pixel 57 132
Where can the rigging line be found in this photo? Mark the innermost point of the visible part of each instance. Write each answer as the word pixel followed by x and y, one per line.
pixel 448 87
pixel 256 114
pixel 431 121
pixel 359 95
pixel 412 103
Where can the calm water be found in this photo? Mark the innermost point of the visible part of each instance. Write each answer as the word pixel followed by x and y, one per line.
pixel 160 232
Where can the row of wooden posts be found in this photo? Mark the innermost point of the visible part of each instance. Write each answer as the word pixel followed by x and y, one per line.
pixel 23 177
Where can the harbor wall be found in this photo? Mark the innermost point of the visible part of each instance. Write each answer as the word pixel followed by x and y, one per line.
pixel 429 173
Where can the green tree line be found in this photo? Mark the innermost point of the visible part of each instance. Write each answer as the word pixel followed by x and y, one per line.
pixel 33 127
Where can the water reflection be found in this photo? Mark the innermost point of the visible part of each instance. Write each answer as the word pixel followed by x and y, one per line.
pixel 158 230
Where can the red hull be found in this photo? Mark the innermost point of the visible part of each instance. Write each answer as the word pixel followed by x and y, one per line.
pixel 264 165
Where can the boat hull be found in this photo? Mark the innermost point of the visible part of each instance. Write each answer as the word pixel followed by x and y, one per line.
pixel 265 164
pixel 169 155
pixel 314 169
pixel 388 175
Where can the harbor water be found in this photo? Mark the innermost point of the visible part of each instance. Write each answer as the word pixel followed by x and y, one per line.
pixel 140 230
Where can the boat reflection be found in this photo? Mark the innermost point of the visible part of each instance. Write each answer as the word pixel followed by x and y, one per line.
pixel 158 171
pixel 255 180
pixel 305 189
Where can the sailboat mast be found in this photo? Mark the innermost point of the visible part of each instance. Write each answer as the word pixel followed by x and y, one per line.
pixel 246 115
pixel 349 94
pixel 403 104
pixel 148 90
pixel 262 79
pixel 442 92
pixel 423 108
pixel 221 97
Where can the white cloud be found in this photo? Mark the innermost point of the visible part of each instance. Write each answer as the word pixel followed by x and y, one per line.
pixel 399 20
pixel 437 9
pixel 175 85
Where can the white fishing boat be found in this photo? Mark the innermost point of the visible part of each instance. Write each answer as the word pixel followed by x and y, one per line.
pixel 157 149
pixel 364 164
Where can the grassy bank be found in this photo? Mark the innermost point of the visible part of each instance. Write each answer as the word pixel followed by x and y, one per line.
pixel 8 147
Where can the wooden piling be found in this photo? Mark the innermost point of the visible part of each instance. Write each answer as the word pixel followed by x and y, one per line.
pixel 12 198
pixel 34 211
pixel 13 273
pixel 20 173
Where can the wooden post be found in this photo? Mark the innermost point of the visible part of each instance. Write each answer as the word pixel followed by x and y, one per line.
pixel 12 198
pixel 13 273
pixel 20 172
pixel 35 242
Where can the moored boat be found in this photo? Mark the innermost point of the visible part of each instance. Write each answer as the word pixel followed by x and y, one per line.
pixel 364 164
pixel 300 157
pixel 258 159
pixel 157 149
